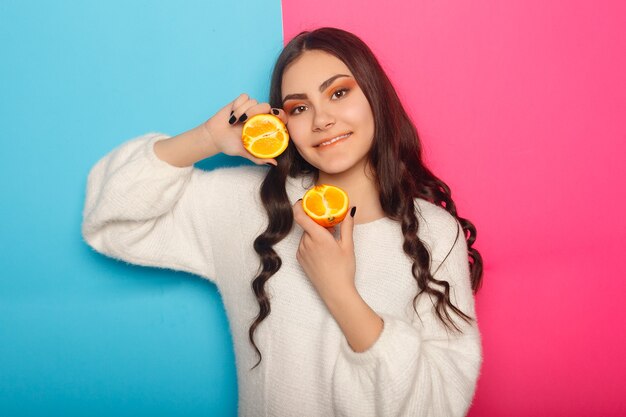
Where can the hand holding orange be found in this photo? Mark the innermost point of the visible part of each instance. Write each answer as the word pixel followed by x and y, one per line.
pixel 326 204
pixel 265 136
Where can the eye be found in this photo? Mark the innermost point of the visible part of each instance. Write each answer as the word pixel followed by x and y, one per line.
pixel 297 110
pixel 340 93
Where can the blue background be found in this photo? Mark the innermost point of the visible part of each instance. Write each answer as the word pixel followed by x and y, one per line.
pixel 80 333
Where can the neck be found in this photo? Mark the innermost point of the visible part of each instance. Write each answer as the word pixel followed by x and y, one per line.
pixel 362 192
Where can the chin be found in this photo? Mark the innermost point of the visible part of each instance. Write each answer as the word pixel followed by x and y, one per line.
pixel 336 168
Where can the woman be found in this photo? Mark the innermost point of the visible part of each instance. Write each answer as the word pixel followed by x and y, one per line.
pixel 373 318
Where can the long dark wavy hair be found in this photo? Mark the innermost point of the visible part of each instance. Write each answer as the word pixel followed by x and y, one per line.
pixel 396 159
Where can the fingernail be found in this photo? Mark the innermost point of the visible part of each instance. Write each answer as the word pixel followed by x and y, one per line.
pixel 352 211
pixel 269 163
pixel 232 112
pixel 243 118
pixel 232 120
pixel 275 112
pixel 299 200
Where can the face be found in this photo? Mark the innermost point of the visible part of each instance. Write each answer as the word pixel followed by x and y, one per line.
pixel 330 120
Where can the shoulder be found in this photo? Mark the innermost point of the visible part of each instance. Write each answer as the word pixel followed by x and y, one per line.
pixel 438 229
pixel 436 217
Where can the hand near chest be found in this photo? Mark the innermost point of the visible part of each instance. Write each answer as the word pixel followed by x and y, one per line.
pixel 329 263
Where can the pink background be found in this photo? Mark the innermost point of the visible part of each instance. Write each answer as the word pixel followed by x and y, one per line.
pixel 522 110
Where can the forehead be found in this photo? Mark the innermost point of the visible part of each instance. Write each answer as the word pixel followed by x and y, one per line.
pixel 311 69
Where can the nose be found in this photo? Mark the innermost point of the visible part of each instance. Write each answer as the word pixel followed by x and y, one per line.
pixel 322 120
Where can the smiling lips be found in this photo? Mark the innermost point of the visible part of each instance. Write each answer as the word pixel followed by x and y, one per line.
pixel 333 140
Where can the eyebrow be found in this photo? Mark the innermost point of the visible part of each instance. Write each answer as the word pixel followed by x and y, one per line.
pixel 323 86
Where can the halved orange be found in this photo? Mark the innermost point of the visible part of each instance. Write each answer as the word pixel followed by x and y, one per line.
pixel 265 136
pixel 326 204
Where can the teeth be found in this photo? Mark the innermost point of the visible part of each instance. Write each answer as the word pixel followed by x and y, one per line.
pixel 333 140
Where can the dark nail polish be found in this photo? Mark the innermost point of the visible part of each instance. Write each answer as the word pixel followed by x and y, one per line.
pixel 352 211
pixel 299 200
pixel 232 112
pixel 269 163
pixel 243 118
pixel 275 112
pixel 232 120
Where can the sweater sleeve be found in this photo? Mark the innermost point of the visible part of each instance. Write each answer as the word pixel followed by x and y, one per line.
pixel 140 209
pixel 416 368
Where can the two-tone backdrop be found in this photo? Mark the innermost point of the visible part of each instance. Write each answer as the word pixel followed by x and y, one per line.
pixel 521 107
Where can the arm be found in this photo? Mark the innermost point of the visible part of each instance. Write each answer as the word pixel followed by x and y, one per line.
pixel 148 205
pixel 214 136
pixel 187 148
pixel 358 322
pixel 415 369
pixel 143 210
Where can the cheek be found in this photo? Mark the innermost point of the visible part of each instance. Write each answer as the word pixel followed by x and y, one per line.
pixel 360 112
pixel 296 141
pixel 368 119
pixel 297 132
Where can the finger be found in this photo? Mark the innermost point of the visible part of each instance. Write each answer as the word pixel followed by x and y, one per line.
pixel 280 113
pixel 347 229
pixel 252 108
pixel 240 111
pixel 305 242
pixel 240 107
pixel 239 101
pixel 258 108
pixel 269 162
pixel 226 112
pixel 299 257
pixel 229 110
pixel 313 229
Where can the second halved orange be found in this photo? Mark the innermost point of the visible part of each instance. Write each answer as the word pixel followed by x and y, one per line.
pixel 326 204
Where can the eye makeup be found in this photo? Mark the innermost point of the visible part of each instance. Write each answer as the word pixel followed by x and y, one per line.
pixel 323 87
pixel 345 85
pixel 296 103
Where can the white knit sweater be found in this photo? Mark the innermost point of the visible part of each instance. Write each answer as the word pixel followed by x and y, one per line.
pixel 142 210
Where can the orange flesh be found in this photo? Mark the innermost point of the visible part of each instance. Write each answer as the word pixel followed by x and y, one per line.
pixel 325 204
pixel 265 136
